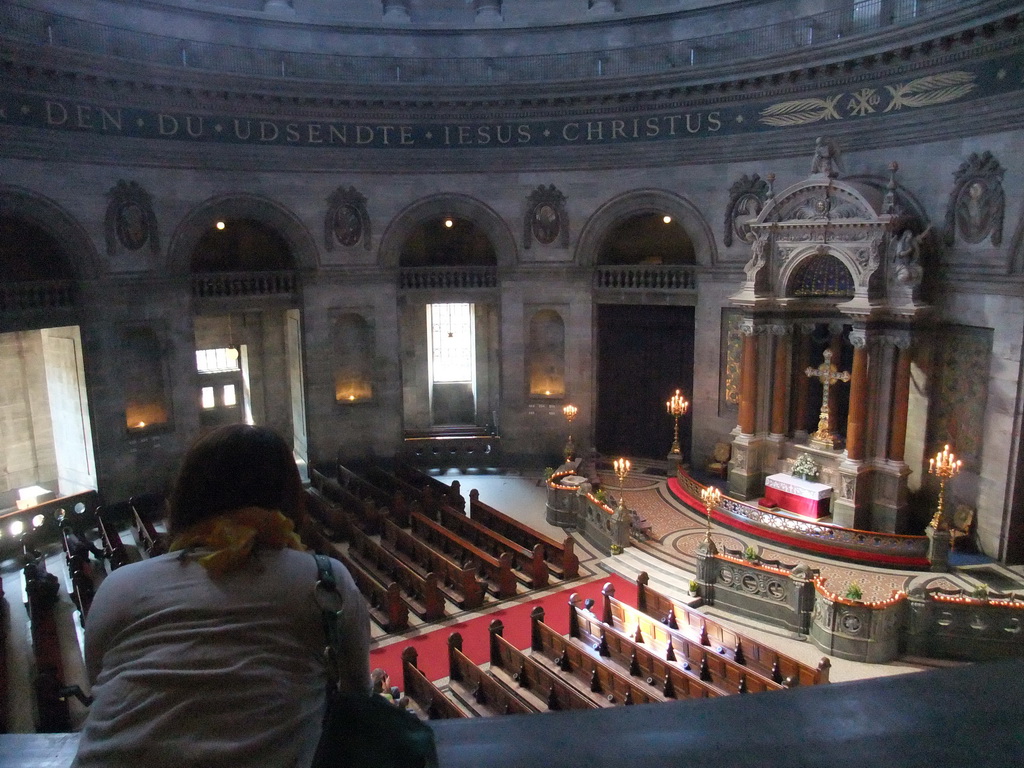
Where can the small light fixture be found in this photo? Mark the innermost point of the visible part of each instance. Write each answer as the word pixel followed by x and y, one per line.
pixel 17 527
pixel 667 219
pixel 38 521
pixel 449 223
pixel 220 225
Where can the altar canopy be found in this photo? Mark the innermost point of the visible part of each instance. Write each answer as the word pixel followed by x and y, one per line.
pixel 828 316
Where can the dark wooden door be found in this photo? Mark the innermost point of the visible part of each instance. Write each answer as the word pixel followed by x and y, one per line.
pixel 644 354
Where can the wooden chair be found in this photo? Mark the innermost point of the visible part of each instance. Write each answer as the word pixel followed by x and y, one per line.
pixel 719 464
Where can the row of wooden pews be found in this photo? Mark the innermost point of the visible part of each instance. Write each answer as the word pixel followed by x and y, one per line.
pixel 429 553
pixel 82 536
pixel 622 657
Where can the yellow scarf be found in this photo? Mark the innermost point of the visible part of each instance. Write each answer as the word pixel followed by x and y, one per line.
pixel 233 536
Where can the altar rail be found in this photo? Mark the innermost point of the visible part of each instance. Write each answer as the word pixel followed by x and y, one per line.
pixel 644 278
pixel 808 33
pixel 776 594
pixel 216 285
pixel 887 550
pixel 953 625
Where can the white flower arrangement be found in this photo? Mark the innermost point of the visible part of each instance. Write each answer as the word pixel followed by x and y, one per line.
pixel 805 467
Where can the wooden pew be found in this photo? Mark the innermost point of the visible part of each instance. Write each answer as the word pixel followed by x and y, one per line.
pixel 421 592
pixel 42 588
pixel 427 696
pixel 366 513
pixel 657 637
pixel 334 522
pixel 107 521
pixel 607 686
pixel 363 488
pixel 479 689
pixel 146 508
pixel 80 573
pixel 495 571
pixel 385 601
pixel 542 689
pixel 561 557
pixel 458 582
pixel 642 662
pixel 705 630
pixel 428 484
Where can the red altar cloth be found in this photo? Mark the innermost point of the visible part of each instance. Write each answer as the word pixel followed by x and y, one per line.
pixel 801 497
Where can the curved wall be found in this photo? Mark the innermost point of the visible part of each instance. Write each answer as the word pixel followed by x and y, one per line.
pixel 210 145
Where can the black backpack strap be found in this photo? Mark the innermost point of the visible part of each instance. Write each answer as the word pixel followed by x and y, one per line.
pixel 327 596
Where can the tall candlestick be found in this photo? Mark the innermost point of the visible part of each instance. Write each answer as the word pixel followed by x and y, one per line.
pixel 676 406
pixel 945 466
pixel 622 467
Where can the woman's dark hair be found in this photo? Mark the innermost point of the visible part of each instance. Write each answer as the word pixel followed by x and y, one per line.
pixel 234 466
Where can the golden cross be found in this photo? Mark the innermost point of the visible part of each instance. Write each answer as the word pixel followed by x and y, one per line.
pixel 827 374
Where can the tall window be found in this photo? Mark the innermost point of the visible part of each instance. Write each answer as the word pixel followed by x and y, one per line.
pixel 452 343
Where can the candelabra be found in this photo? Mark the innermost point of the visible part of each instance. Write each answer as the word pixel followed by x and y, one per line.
pixel 711 497
pixel 569 412
pixel 676 406
pixel 622 467
pixel 945 466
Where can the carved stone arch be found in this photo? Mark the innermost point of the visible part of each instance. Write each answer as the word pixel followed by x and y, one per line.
pixel 483 216
pixel 801 256
pixel 81 258
pixel 812 200
pixel 629 204
pixel 301 242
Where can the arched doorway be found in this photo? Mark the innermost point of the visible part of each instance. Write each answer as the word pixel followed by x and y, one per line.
pixel 645 351
pixel 46 436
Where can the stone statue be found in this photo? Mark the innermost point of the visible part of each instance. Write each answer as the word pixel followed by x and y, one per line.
pixel 826 158
pixel 907 257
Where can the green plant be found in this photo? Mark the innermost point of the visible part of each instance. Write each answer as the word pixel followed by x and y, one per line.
pixel 693 586
pixel 980 592
pixel 548 472
pixel 751 554
pixel 615 549
pixel 601 496
pixel 854 592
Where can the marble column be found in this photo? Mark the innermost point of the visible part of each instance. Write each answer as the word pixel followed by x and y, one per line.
pixel 801 383
pixel 855 433
pixel 748 380
pixel 901 400
pixel 780 392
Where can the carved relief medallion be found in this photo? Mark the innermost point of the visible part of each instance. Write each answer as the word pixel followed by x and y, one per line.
pixel 976 204
pixel 347 222
pixel 130 221
pixel 546 219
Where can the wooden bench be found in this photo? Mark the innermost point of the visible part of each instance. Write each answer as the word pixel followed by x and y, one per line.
pixel 80 574
pixel 481 691
pixel 427 696
pixel 147 508
pixel 42 588
pixel 560 557
pixel 496 572
pixel 458 582
pixel 5 623
pixel 542 689
pixel 366 513
pixel 108 520
pixel 657 637
pixel 674 673
pixel 420 592
pixel 605 685
pixel 696 626
pixel 384 600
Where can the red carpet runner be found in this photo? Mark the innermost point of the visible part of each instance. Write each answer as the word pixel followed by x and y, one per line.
pixel 432 647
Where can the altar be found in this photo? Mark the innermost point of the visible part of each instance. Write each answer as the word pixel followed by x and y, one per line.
pixel 794 494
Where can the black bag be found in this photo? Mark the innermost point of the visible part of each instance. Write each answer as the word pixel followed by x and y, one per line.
pixel 365 731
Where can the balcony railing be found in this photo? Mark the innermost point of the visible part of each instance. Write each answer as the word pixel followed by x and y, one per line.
pixel 646 278
pixel 215 285
pixel 866 19
pixel 36 295
pixel 427 278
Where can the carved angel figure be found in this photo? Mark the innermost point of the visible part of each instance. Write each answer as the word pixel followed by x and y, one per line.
pixel 826 158
pixel 907 257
